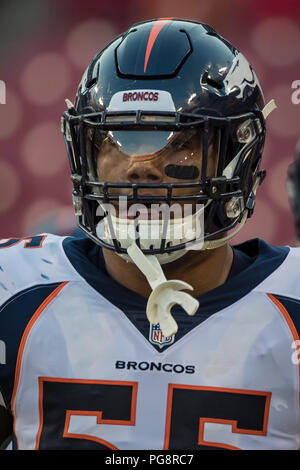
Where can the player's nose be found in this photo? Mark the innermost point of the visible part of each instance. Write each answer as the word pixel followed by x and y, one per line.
pixel 144 172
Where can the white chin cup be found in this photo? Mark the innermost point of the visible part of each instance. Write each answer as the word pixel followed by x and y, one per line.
pixel 150 233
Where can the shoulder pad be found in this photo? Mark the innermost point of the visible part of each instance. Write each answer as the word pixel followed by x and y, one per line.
pixel 285 280
pixel 29 261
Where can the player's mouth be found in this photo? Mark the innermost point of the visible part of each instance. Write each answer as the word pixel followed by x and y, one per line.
pixel 143 211
pixel 151 211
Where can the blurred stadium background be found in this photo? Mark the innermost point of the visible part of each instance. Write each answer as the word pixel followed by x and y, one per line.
pixel 45 46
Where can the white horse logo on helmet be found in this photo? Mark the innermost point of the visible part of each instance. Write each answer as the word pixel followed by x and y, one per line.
pixel 240 75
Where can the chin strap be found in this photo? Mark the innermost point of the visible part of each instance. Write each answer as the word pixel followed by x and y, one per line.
pixel 269 108
pixel 164 294
pixel 213 244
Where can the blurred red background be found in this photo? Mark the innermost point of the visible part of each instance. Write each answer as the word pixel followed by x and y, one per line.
pixel 44 48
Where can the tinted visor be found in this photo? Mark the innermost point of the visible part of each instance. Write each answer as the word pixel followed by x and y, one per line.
pixel 173 155
pixel 137 143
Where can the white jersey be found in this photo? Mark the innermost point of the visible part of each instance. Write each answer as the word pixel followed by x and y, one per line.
pixel 81 367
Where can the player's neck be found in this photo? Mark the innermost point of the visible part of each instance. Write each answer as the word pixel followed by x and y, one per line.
pixel 204 271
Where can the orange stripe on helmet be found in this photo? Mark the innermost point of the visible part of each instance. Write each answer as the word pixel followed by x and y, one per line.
pixel 159 24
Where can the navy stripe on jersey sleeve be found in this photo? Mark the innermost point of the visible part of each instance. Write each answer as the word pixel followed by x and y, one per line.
pixel 14 317
pixel 292 306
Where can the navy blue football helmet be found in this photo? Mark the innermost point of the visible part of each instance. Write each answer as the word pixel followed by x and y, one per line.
pixel 160 85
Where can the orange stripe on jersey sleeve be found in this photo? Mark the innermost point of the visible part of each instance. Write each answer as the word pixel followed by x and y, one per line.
pixel 27 330
pixel 289 322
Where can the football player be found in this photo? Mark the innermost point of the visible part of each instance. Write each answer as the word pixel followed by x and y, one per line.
pixel 151 331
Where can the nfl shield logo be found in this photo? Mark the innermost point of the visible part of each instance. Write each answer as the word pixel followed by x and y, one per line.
pixel 156 336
